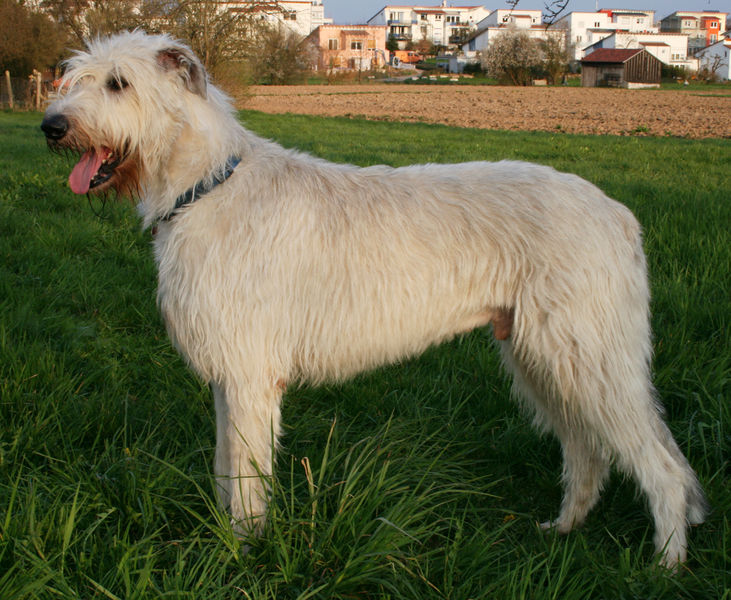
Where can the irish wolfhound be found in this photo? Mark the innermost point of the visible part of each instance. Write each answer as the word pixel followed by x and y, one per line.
pixel 276 267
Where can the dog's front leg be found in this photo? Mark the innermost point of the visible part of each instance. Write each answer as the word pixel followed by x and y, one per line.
pixel 247 429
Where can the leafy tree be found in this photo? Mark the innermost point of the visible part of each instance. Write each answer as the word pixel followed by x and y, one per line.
pixel 556 54
pixel 391 43
pixel 513 56
pixel 28 40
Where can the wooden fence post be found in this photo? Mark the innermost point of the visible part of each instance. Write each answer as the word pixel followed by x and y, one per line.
pixel 10 89
pixel 38 89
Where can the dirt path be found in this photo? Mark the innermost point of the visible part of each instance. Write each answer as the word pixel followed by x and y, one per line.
pixel 574 110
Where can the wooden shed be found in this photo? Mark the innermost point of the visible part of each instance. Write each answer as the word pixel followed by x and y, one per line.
pixel 614 67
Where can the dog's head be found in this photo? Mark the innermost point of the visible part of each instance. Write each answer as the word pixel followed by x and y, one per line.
pixel 118 106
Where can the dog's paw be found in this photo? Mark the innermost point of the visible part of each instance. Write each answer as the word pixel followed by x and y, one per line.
pixel 557 525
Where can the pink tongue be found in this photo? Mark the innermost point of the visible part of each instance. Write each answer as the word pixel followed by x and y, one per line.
pixel 85 169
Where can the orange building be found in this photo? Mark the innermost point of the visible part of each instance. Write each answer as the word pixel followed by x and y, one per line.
pixel 349 47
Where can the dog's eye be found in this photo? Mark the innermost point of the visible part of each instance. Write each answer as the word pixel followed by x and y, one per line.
pixel 117 84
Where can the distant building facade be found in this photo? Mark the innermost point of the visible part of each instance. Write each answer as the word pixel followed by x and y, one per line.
pixel 702 28
pixel 349 47
pixel 442 25
pixel 499 21
pixel 301 16
pixel 583 29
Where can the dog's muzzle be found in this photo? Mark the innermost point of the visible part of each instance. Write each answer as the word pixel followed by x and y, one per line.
pixel 55 127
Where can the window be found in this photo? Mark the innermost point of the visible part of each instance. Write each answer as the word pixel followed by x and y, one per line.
pixel 423 17
pixel 356 45
pixel 597 24
pixel 438 17
pixel 332 44
pixel 292 15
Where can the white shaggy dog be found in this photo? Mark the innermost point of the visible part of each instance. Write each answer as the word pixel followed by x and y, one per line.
pixel 276 267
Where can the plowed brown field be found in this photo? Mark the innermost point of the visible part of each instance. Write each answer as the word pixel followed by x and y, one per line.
pixel 573 110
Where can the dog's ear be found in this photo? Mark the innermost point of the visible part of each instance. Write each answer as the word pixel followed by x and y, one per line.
pixel 183 61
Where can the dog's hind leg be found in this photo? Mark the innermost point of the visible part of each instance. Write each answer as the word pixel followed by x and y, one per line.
pixel 600 391
pixel 585 469
pixel 585 466
pixel 247 429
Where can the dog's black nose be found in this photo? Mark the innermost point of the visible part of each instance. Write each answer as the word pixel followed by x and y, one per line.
pixel 55 127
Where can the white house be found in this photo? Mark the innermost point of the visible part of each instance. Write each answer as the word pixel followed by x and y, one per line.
pixel 301 16
pixel 585 29
pixel 717 57
pixel 522 19
pixel 442 25
pixel 670 48
pixel 499 21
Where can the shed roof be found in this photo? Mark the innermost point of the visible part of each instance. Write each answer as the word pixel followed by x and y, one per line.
pixel 611 55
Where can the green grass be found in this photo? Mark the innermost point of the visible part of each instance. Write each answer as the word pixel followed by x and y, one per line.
pixel 423 479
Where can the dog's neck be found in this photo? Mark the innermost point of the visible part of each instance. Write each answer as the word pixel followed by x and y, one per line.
pixel 202 187
pixel 194 165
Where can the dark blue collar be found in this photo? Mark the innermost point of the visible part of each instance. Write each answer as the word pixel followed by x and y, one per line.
pixel 201 188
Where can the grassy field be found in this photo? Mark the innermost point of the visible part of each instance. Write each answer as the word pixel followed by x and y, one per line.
pixel 420 480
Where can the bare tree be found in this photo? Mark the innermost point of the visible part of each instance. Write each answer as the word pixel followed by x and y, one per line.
pixel 281 56
pixel 710 65
pixel 221 33
pixel 233 39
pixel 84 19
pixel 552 11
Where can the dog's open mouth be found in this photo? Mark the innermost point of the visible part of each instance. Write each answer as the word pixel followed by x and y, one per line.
pixel 96 167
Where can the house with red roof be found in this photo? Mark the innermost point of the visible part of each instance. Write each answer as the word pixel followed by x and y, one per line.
pixel 670 48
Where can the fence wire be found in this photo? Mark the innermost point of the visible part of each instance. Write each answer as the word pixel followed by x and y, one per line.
pixel 24 91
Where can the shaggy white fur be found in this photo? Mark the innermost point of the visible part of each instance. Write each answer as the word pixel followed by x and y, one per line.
pixel 296 269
